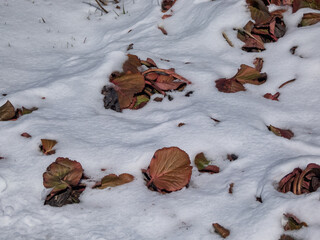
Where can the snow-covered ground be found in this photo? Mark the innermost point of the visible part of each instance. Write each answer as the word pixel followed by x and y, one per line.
pixel 65 51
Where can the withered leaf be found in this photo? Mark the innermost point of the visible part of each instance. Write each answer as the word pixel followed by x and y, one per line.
pixel 163 30
pixel 286 237
pixel 232 157
pixel 126 86
pixel 258 63
pixel 111 99
pixel 47 145
pixel 297 4
pixel 229 85
pixel 169 170
pixel 293 223
pixel 272 97
pixel 141 101
pixel 25 111
pixel 26 135
pixel 231 185
pixel 285 83
pixel 247 74
pixel 259 11
pixel 309 19
pixel 223 232
pixel 112 180
pixel 203 164
pixel 167 4
pixel 66 196
pixel 7 111
pixel 131 64
pixel 181 124
pixel 286 133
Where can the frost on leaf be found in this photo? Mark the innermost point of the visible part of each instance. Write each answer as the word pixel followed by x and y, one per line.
pixel 140 79
pixel 301 181
pixel 47 146
pixel 63 176
pixel 203 164
pixel 223 232
pixel 286 133
pixel 112 180
pixel 309 19
pixel 169 170
pixel 293 223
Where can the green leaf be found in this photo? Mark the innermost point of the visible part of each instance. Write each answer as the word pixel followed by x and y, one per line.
pixel 201 161
pixel 141 101
pixel 7 111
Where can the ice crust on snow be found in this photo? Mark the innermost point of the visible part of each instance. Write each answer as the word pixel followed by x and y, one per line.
pixel 65 51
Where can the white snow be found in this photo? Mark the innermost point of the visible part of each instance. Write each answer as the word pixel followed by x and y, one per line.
pixel 65 51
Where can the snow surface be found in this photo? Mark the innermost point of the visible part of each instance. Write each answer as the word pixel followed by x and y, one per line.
pixel 65 51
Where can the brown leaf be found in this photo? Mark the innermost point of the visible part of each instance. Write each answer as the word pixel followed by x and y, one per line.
pixel 286 237
pixel 26 135
pixel 232 157
pixel 47 145
pixel 158 99
pixel 247 74
pixel 163 30
pixel 126 86
pixel 167 4
pixel 259 11
pixel 285 83
pixel 309 19
pixel 281 132
pixel 181 124
pixel 166 16
pixel 258 63
pixel 293 223
pixel 113 180
pixel 7 111
pixel 229 85
pixel 272 97
pixel 223 232
pixel 169 170
pixel 297 4
pixel 131 64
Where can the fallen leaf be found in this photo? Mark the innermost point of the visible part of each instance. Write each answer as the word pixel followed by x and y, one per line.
pixel 181 124
pixel 28 111
pixel 110 99
pixel 285 83
pixel 223 232
pixel 131 64
pixel 165 16
pixel 258 63
pixel 126 86
pixel 286 237
pixel 286 133
pixel 229 85
pixel 158 99
pixel 63 176
pixel 47 145
pixel 167 4
pixel 26 135
pixel 293 50
pixel 272 97
pixel 309 19
pixel 297 4
pixel 113 180
pixel 7 111
pixel 259 11
pixel 188 94
pixel 203 164
pixel 163 30
pixel 259 199
pixel 169 170
pixel 130 47
pixel 247 74
pixel 232 157
pixel 293 223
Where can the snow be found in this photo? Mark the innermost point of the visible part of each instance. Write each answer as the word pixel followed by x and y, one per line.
pixel 65 51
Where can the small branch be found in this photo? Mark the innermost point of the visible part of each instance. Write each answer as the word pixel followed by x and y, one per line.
pixel 101 6
pixel 227 39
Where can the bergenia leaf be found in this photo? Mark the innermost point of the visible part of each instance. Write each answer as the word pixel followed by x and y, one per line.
pixel 126 86
pixel 141 101
pixel 247 74
pixel 113 180
pixel 259 11
pixel 293 223
pixel 169 170
pixel 286 133
pixel 47 145
pixel 203 164
pixel 229 85
pixel 309 19
pixel 7 111
pixel 65 196
pixel 223 232
pixel 297 4
pixel 131 64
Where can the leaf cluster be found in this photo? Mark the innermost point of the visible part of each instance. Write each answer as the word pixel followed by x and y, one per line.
pixel 8 112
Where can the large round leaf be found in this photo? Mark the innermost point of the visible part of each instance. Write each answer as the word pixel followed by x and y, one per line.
pixel 169 169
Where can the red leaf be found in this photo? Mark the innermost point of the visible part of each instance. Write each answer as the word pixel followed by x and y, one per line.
pixel 272 97
pixel 26 135
pixel 169 170
pixel 167 4
pixel 229 85
pixel 281 132
pixel 258 63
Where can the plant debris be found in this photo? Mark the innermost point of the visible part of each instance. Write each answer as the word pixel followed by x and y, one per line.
pixel 112 180
pixel 223 232
pixel 63 176
pixel 47 145
pixel 203 164
pixel 133 88
pixel 309 19
pixel 167 4
pixel 293 223
pixel 8 112
pixel 245 74
pixel 286 133
pixel 301 181
pixel 273 97
pixel 26 135
pixel 286 237
pixel 231 185
pixel 169 170
pixel 232 157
